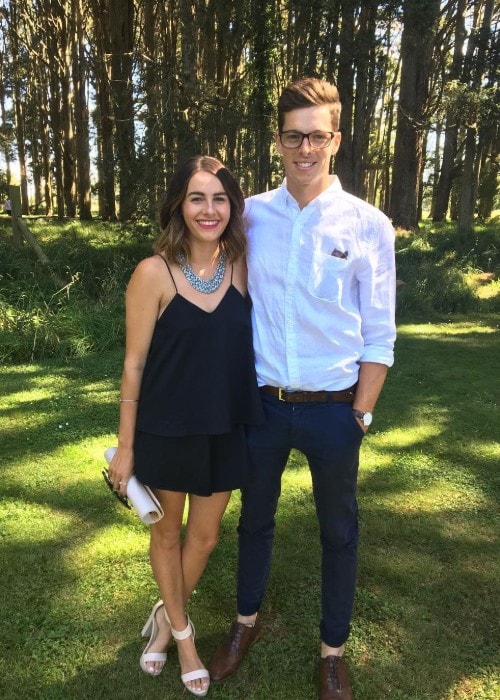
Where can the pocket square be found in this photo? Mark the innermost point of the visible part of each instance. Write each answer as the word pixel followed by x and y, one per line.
pixel 339 254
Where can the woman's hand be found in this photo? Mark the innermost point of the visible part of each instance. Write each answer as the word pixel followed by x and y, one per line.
pixel 121 468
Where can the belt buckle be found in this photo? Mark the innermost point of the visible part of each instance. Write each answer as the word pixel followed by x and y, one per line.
pixel 281 391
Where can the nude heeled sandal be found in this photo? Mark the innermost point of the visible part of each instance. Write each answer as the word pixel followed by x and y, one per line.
pixel 151 628
pixel 200 673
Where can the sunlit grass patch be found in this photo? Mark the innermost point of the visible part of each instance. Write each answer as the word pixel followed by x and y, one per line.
pixel 484 685
pixel 439 498
pixel 44 524
pixel 418 429
pixel 76 580
pixel 446 330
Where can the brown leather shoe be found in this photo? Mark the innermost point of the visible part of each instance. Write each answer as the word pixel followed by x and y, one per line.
pixel 230 654
pixel 334 679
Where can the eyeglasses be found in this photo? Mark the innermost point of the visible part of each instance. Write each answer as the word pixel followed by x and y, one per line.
pixel 316 139
pixel 123 499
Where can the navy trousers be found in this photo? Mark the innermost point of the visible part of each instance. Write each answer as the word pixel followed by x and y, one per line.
pixel 329 436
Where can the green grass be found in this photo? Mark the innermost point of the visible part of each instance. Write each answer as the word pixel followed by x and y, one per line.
pixel 441 270
pixel 40 319
pixel 74 567
pixel 75 579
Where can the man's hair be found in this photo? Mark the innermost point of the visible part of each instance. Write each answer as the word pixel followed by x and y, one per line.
pixel 308 92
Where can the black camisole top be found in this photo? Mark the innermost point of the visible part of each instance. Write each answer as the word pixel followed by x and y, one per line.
pixel 199 376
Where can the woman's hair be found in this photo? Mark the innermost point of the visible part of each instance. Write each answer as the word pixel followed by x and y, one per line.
pixel 173 238
pixel 308 92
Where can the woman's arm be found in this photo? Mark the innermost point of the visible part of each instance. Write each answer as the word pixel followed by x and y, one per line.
pixel 148 292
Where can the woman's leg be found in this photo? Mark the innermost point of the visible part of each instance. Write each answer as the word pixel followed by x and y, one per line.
pixel 202 532
pixel 165 557
pixel 177 568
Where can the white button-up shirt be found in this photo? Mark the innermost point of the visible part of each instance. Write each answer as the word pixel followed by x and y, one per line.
pixel 322 284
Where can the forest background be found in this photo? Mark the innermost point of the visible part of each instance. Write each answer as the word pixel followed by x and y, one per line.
pixel 99 99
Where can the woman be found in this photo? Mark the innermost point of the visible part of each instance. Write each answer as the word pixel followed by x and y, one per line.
pixel 188 390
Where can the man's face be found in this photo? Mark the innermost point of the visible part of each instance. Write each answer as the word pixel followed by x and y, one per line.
pixel 307 168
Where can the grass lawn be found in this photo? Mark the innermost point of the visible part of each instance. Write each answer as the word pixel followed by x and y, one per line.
pixel 75 579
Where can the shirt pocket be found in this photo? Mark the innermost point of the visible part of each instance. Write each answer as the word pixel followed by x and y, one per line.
pixel 326 279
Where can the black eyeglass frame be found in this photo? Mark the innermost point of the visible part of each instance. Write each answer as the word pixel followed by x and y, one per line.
pixel 306 136
pixel 123 499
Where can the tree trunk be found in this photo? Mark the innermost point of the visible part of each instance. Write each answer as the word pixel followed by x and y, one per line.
pixel 488 183
pixel 420 18
pixel 344 164
pixel 47 176
pixel 188 138
pixel 6 146
pixel 152 176
pixel 260 99
pixel 448 171
pixel 441 197
pixel 16 213
pixel 55 124
pixel 365 96
pixel 34 138
pixel 390 110
pixel 19 109
pixel 81 114
pixel 103 115
pixel 169 90
pixel 68 144
pixel 121 22
pixel 472 157
pixel 468 190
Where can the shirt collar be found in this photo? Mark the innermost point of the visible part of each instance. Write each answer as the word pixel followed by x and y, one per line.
pixel 287 200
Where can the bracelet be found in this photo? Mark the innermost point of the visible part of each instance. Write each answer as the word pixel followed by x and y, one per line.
pixel 128 400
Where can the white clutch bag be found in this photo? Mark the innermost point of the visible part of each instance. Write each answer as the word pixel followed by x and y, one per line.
pixel 143 500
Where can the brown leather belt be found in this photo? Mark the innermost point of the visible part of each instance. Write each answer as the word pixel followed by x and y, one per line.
pixel 346 395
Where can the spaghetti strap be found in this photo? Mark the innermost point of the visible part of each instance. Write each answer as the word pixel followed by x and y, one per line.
pixel 170 272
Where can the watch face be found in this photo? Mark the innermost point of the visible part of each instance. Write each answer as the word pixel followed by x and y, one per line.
pixel 367 419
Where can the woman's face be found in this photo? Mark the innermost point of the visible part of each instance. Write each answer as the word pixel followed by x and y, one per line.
pixel 206 208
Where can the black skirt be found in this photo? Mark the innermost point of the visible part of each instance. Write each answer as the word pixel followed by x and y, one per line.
pixel 196 464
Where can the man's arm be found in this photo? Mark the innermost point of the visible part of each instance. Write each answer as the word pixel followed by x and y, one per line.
pixel 370 382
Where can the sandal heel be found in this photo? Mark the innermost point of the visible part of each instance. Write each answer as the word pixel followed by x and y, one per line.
pixel 152 629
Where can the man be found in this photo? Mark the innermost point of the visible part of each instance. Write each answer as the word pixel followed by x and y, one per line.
pixel 322 283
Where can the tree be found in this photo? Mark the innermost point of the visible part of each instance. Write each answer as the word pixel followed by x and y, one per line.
pixel 79 76
pixel 447 172
pixel 100 40
pixel 167 80
pixel 262 110
pixel 120 17
pixel 480 40
pixel 18 89
pixel 417 43
pixel 6 116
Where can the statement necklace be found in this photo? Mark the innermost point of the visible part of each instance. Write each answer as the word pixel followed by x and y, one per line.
pixel 202 285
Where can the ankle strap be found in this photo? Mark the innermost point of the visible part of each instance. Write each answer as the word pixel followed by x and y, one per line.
pixel 185 633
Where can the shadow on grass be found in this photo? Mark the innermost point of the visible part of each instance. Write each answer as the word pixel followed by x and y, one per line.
pixel 425 621
pixel 78 405
pixel 425 612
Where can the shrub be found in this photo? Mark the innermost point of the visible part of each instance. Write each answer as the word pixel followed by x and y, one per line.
pixel 39 319
pixel 434 263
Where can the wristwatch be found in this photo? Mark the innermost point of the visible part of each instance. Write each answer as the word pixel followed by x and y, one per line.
pixel 365 416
